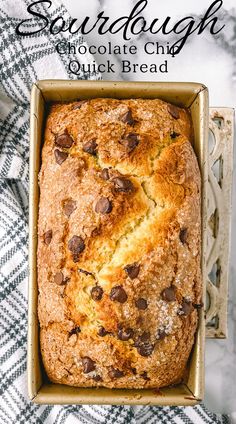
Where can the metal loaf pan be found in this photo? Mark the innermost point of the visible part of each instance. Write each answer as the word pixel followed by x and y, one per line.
pixel 191 95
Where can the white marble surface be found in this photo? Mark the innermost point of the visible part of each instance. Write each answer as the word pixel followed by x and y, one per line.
pixel 212 62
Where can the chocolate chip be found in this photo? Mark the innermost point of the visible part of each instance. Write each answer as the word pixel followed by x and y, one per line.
pixel 168 294
pixel 144 375
pixel 102 332
pixel 47 237
pixel 103 206
pixel 69 207
pixel 125 334
pixel 173 111
pixel 145 337
pixel 127 118
pixel 75 258
pixel 60 157
pixel 130 141
pixel 115 373
pixel 141 304
pixel 132 270
pixel 161 334
pixel 198 305
pixel 118 294
pixel 64 140
pixel 186 308
pixel 174 135
pixel 59 279
pixel 90 147
pixel 105 174
pixel 88 365
pixel 97 378
pixel 76 245
pixel 96 293
pixel 96 232
pixel 134 371
pixel 79 104
pixel 123 185
pixel 75 330
pixel 145 349
pixel 144 345
pixel 183 235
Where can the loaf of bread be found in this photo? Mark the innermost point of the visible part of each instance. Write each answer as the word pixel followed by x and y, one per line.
pixel 118 243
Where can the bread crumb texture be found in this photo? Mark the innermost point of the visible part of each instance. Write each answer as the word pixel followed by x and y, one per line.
pixel 118 243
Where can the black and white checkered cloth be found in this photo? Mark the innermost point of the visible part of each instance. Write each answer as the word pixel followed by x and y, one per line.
pixel 23 61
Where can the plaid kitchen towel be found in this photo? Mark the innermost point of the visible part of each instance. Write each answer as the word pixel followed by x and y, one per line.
pixel 22 62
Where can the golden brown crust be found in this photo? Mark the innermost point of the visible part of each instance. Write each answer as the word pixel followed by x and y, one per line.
pixel 118 249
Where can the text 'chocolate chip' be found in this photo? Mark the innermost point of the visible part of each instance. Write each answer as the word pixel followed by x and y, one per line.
pixel 60 157
pixel 118 294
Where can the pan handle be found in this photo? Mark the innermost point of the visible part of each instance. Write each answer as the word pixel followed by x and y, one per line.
pixel 220 173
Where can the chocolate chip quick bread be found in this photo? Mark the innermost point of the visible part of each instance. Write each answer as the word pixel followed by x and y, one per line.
pixel 119 243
